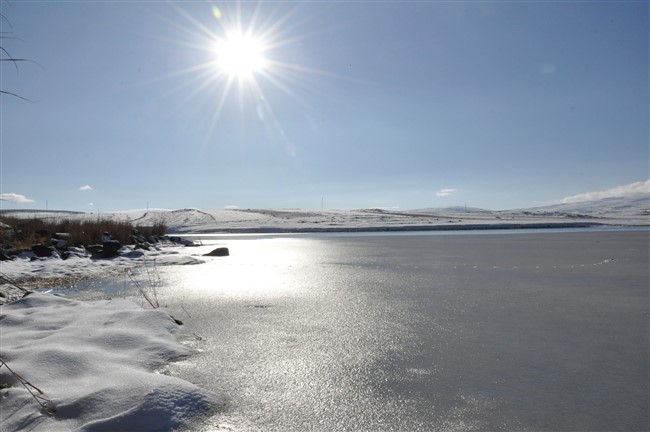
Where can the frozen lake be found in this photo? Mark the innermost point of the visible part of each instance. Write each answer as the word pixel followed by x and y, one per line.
pixel 544 331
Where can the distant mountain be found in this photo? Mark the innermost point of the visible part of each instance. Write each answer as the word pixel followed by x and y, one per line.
pixel 637 205
pixel 632 205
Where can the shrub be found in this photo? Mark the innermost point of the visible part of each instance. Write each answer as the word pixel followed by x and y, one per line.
pixel 23 233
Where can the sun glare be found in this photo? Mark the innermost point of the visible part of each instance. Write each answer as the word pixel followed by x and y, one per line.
pixel 241 51
pixel 240 56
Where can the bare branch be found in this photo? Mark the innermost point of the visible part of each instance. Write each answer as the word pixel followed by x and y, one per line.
pixel 3 92
pixel 6 279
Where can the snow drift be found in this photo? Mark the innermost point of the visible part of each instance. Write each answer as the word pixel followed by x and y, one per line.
pixel 95 361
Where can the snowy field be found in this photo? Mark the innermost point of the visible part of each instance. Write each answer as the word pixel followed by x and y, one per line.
pixel 98 363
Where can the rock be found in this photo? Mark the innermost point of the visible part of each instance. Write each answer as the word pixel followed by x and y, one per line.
pixel 59 243
pixel 93 248
pixel 182 241
pixel 4 257
pixel 220 251
pixel 42 251
pixel 110 248
pixel 78 252
pixel 10 251
pixel 143 245
pixel 137 238
pixel 133 254
pixel 95 251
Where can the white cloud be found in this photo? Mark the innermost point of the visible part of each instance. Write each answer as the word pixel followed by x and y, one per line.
pixel 445 192
pixel 86 188
pixel 232 207
pixel 14 197
pixel 636 188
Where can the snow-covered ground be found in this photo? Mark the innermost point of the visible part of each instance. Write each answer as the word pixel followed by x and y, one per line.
pixel 93 361
pixel 94 366
pixel 27 268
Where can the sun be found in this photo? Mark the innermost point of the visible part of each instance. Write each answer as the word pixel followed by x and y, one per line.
pixel 245 56
pixel 240 56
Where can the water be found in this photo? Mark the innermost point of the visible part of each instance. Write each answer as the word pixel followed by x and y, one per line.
pixel 452 333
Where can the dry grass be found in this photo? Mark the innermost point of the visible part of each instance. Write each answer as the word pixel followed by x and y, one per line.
pixel 26 232
pixel 44 402
pixel 150 287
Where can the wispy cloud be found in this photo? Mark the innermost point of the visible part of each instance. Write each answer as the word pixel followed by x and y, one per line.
pixel 636 188
pixel 232 207
pixel 445 192
pixel 86 188
pixel 14 197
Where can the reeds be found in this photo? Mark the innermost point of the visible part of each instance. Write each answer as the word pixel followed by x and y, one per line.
pixel 149 288
pixel 23 233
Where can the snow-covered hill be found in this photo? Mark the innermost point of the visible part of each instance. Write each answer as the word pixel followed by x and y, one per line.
pixel 631 210
pixel 635 205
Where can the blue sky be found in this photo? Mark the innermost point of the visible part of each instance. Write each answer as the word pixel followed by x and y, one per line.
pixel 362 104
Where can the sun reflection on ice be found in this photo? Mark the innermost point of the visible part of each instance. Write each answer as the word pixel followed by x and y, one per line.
pixel 259 271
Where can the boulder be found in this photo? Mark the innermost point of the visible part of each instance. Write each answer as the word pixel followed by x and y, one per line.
pixel 143 245
pixel 95 251
pixel 96 248
pixel 138 238
pixel 59 243
pixel 10 251
pixel 42 251
pixel 110 248
pixel 220 251
pixel 78 252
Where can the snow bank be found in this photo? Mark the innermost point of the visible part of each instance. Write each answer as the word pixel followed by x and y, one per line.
pixel 27 267
pixel 94 361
